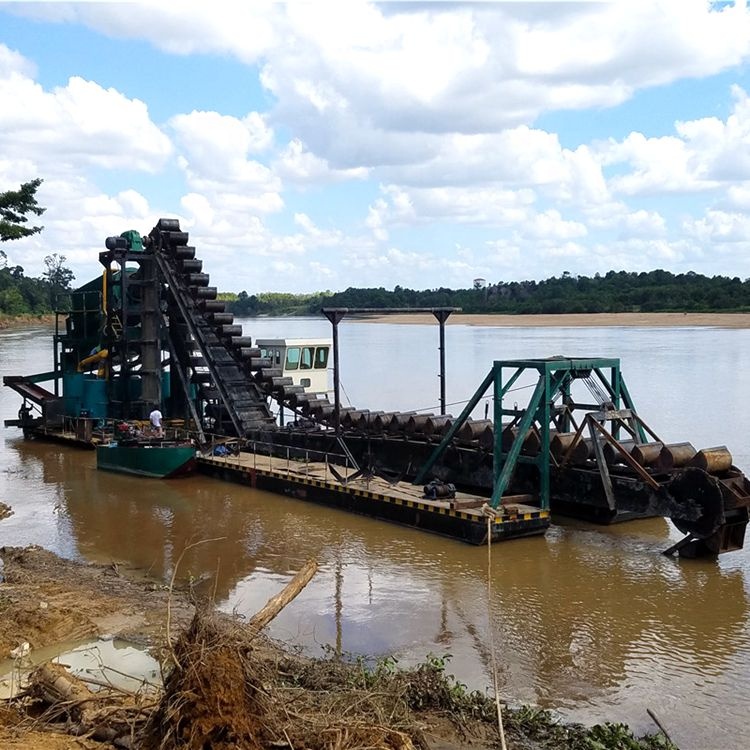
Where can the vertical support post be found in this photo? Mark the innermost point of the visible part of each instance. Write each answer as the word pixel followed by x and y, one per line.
pixel 442 316
pixel 503 480
pixel 56 354
pixel 497 417
pixel 335 317
pixel 545 448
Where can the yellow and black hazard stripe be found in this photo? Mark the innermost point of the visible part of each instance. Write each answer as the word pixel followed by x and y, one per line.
pixel 500 520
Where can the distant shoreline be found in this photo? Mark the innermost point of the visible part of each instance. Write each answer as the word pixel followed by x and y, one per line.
pixel 575 320
pixel 26 320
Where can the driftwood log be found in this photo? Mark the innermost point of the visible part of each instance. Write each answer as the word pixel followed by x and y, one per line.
pixel 276 603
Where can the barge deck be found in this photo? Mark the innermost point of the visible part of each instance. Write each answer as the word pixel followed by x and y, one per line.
pixel 401 502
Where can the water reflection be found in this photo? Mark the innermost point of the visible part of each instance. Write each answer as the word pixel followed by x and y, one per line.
pixel 576 614
pixel 592 620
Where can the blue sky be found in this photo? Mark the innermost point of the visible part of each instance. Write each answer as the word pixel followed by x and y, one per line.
pixel 309 146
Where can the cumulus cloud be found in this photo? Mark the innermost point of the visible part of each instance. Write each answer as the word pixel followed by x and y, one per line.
pixel 702 154
pixel 214 153
pixel 296 164
pixel 79 124
pixel 435 102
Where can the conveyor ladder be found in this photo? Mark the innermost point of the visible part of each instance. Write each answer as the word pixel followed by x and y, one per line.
pixel 205 341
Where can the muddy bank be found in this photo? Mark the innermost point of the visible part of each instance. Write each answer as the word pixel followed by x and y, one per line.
pixel 583 320
pixel 21 321
pixel 227 685
pixel 46 600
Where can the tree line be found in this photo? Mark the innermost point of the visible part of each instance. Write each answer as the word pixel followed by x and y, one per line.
pixel 615 291
pixel 20 294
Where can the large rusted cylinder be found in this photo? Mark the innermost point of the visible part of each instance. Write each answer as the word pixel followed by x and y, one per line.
pixel 329 416
pixel 230 330
pixel 487 438
pixel 437 425
pixel 259 363
pixel 301 398
pixel 184 253
pixel 204 292
pixel 191 265
pixel 365 420
pixel 646 454
pixel 175 238
pixel 416 423
pixel 531 443
pixel 382 421
pixel 250 352
pixel 267 372
pixel 471 429
pixel 198 279
pixel 307 404
pixel 398 422
pixel 351 417
pixel 222 318
pixel 242 341
pixel 713 460
pixel 323 411
pixel 613 456
pixel 321 407
pixel 213 305
pixel 287 391
pixel 675 455
pixel 277 383
pixel 561 443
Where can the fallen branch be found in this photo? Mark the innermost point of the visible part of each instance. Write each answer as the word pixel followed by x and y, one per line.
pixel 653 715
pixel 276 603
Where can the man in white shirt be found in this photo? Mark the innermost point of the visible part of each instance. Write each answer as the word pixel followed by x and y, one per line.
pixel 155 419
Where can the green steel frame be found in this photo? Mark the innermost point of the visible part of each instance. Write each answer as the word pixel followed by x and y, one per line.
pixel 555 376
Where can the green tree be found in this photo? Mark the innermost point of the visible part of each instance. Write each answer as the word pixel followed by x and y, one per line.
pixel 12 302
pixel 15 207
pixel 57 275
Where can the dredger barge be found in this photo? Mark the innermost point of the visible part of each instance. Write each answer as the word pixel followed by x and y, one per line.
pixel 150 333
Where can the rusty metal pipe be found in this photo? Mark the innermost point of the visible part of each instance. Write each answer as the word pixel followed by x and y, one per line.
pixel 472 429
pixel 436 425
pixel 646 454
pixel 713 460
pixel 675 455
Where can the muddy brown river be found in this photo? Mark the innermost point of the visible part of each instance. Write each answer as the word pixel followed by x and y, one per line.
pixel 591 621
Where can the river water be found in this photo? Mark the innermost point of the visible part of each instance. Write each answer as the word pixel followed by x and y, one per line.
pixel 591 621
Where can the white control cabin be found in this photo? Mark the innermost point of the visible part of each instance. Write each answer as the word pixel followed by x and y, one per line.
pixel 303 360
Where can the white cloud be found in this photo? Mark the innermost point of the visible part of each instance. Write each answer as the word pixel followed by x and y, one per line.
pixel 720 227
pixel 298 165
pixel 13 62
pixel 80 124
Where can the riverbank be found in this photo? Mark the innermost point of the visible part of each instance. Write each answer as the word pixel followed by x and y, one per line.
pixel 226 687
pixel 22 321
pixel 582 320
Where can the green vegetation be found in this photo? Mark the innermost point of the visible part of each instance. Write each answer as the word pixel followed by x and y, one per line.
pixel 616 291
pixel 20 295
pixel 15 205
pixel 410 696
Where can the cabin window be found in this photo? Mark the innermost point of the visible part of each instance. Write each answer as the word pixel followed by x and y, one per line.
pixel 277 356
pixel 321 358
pixel 308 354
pixel 292 358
